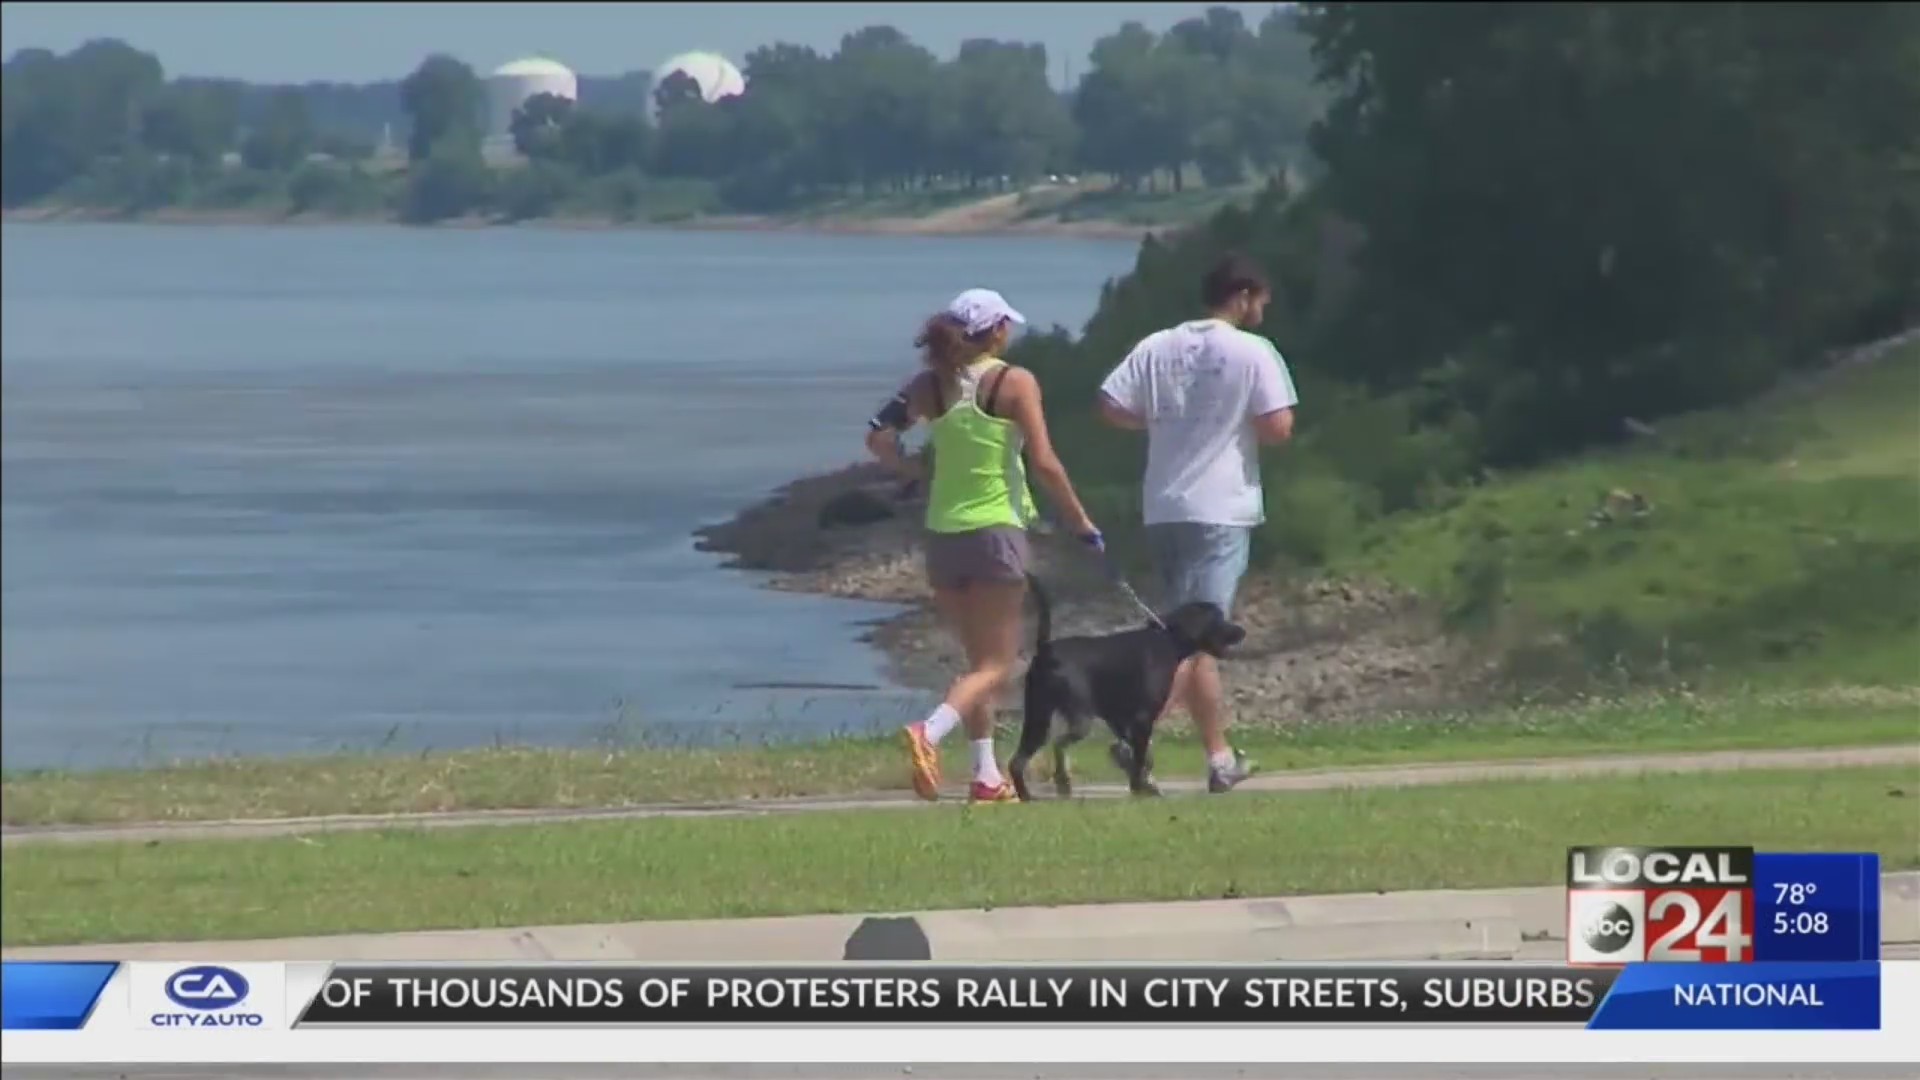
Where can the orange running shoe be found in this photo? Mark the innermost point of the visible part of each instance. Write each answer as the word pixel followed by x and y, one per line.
pixel 991 793
pixel 924 759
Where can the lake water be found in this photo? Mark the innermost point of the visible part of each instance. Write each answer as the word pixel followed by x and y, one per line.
pixel 285 490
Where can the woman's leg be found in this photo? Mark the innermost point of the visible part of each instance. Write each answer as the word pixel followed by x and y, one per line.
pixel 990 633
pixel 923 737
pixel 979 584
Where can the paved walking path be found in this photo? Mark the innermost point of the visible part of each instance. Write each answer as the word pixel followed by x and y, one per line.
pixel 1301 780
pixel 1510 924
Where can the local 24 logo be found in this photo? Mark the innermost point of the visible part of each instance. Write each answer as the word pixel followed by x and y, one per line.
pixel 1660 904
pixel 210 994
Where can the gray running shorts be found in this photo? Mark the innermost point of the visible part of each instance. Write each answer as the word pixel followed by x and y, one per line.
pixel 995 554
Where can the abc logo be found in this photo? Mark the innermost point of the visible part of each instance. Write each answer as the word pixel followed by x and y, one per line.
pixel 1609 930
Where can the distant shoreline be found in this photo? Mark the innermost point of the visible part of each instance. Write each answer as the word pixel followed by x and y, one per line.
pixel 931 225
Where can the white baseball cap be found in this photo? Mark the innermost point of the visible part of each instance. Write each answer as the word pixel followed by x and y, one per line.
pixel 980 310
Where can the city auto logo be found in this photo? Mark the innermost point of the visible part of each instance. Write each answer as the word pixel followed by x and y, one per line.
pixel 207 988
pixel 208 992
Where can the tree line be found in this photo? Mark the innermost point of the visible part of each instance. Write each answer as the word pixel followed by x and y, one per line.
pixel 1542 227
pixel 1214 100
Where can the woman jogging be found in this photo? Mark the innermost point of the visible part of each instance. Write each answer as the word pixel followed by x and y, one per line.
pixel 982 413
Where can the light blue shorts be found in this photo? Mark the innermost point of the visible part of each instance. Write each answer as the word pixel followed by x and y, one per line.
pixel 1200 562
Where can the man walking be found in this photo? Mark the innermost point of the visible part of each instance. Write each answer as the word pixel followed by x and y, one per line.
pixel 1208 394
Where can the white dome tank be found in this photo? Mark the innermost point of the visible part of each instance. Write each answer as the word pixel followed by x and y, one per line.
pixel 511 85
pixel 715 74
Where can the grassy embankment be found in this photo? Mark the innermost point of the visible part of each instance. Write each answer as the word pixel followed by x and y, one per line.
pixel 1782 548
pixel 1148 209
pixel 1046 853
pixel 1782 555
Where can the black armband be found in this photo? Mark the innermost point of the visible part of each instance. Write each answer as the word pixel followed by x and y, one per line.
pixel 894 414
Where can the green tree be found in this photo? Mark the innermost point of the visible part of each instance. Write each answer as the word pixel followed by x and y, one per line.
pixel 350 148
pixel 1276 99
pixel 45 145
pixel 112 83
pixel 284 136
pixel 1210 92
pixel 877 114
pixel 333 188
pixel 1182 98
pixel 1220 34
pixel 66 114
pixel 313 186
pixel 537 123
pixel 535 191
pixel 677 90
pixel 452 182
pixel 442 98
pixel 694 138
pixel 998 115
pixel 595 143
pixel 193 123
pixel 1607 210
pixel 1113 106
pixel 774 127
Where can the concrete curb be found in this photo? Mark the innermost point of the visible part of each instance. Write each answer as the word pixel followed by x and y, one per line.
pixel 1279 781
pixel 1489 924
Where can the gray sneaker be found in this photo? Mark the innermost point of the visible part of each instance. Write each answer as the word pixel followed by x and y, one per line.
pixel 1222 780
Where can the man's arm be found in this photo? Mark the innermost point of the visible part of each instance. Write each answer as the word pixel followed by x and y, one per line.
pixel 1120 395
pixel 1125 419
pixel 1271 406
pixel 1273 428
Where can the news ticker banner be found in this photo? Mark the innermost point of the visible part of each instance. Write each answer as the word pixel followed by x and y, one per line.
pixel 208 999
pixel 1720 905
pixel 553 1014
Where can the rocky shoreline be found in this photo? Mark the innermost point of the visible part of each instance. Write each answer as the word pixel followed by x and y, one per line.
pixel 1317 652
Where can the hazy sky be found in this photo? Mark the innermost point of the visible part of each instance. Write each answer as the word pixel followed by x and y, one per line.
pixel 360 42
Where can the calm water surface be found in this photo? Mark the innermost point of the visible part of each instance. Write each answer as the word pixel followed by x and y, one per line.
pixel 274 491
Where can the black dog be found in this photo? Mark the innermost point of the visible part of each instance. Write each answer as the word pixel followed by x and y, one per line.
pixel 1124 679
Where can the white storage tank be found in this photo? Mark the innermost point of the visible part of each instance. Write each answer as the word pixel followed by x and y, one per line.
pixel 715 74
pixel 511 85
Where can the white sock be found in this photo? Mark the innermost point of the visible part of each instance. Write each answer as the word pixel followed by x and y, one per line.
pixel 985 769
pixel 943 721
pixel 1221 760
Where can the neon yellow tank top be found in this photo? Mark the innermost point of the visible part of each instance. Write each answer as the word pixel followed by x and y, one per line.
pixel 979 480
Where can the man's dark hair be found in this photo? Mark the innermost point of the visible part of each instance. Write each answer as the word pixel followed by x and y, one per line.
pixel 1231 276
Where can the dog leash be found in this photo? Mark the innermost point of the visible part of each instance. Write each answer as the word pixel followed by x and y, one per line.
pixel 1099 546
pixel 1152 616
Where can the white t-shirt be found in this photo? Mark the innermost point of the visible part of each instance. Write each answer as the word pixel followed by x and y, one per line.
pixel 1199 386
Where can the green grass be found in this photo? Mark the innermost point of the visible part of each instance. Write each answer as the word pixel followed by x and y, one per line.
pixel 1783 547
pixel 903 204
pixel 531 777
pixel 1478 835
pixel 1146 208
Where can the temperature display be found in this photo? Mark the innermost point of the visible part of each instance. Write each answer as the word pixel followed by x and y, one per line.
pixel 1794 893
pixel 1814 907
